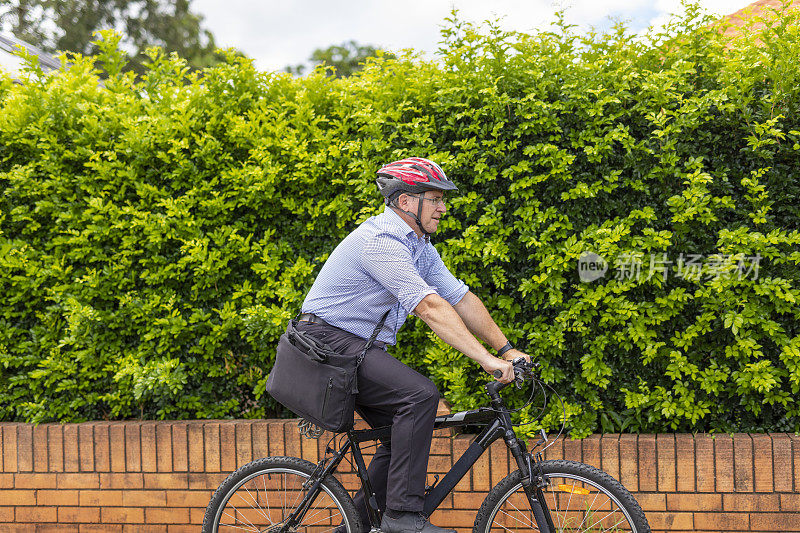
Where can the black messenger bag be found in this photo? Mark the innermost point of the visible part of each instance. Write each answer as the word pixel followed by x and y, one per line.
pixel 313 381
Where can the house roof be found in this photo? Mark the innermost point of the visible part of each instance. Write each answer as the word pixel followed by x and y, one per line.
pixel 13 63
pixel 758 8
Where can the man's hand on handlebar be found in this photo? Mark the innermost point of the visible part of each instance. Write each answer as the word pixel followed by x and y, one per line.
pixel 514 354
pixel 502 370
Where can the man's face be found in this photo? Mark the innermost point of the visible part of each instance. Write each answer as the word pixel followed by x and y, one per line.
pixel 433 208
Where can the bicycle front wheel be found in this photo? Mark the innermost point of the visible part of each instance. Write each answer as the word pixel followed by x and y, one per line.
pixel 261 496
pixel 579 497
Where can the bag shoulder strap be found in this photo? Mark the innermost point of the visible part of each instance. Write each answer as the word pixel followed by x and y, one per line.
pixel 368 345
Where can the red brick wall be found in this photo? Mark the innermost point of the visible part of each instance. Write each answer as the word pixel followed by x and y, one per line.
pixel 159 476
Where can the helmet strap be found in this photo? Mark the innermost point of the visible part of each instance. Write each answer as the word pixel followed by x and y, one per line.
pixel 416 216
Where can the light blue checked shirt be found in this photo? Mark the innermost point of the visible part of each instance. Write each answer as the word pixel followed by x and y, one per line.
pixel 381 265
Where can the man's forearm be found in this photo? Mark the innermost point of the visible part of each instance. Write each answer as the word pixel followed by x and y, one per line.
pixel 443 319
pixel 478 320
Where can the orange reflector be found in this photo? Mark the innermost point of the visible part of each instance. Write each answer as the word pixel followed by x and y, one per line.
pixel 573 489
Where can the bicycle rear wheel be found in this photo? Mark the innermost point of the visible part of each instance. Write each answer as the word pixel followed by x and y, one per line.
pixel 581 499
pixel 260 496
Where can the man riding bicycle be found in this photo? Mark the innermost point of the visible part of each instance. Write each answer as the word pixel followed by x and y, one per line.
pixel 389 263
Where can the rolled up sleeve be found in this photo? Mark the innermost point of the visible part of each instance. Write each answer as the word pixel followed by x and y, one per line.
pixel 388 260
pixel 447 285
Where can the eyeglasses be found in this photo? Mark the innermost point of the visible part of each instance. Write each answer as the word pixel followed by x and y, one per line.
pixel 435 201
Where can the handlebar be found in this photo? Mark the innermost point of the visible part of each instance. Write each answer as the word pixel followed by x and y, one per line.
pixel 522 371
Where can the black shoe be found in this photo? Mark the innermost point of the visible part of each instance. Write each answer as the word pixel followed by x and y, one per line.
pixel 410 523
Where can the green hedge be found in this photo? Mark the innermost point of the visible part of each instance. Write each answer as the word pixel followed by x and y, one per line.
pixel 156 233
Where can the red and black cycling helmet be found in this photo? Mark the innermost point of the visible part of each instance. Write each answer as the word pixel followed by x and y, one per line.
pixel 412 175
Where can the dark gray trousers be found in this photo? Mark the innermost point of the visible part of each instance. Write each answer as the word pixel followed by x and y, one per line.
pixel 390 394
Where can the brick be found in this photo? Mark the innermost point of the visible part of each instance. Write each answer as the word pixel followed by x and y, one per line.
pixel 227 438
pixel 133 448
pixel 18 497
pixel 58 528
pixel 35 515
pixel 86 447
pixel 591 451
pixel 775 522
pixel 101 498
pixel 6 515
pixel 40 448
pixel 572 450
pixel 188 498
pixel 291 438
pixel 25 448
pixel 667 469
pixel 244 444
pixel 174 528
pixel 102 453
pixel 163 447
pixel 100 528
pixel 10 463
pixel 609 451
pixel 166 516
pixel 648 463
pixel 684 463
pixel 71 458
pixel 743 462
pixel 78 514
pixel 148 439
pixel 720 522
pixel 694 502
pixel 196 516
pixel 498 461
pixel 206 481
pixel 790 503
pixel 57 497
pixel 453 518
pixel 116 480
pixel 166 481
pixel 440 446
pixel 481 475
pixel 116 442
pixel 762 462
pixel 782 462
pixel 144 498
pixel 750 502
pixel 651 501
pixel 212 447
pixel 55 448
pixel 723 463
pixel 35 481
pixel 670 521
pixel 196 451
pixel 180 448
pixel 796 460
pixel 555 449
pixel 121 515
pixel 84 480
pixel 141 528
pixel 12 528
pixel 6 481
pixel 460 445
pixel 628 462
pixel 309 450
pixel 267 440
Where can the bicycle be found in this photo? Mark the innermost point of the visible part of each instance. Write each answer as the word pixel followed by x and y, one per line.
pixel 290 495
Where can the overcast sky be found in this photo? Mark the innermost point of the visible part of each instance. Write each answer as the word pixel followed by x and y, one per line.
pixel 277 33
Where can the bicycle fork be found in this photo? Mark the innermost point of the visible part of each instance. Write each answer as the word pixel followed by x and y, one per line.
pixel 533 480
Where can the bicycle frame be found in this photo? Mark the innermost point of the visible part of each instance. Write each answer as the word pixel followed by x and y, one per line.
pixel 498 425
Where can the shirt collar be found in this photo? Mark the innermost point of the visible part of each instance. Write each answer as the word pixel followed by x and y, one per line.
pixel 397 220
